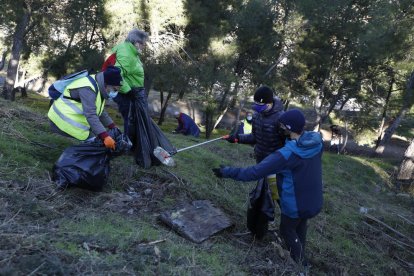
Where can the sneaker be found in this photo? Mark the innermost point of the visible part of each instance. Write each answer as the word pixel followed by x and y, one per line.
pixel 272 226
pixel 305 269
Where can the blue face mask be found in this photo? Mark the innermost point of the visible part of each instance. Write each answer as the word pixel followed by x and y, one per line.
pixel 259 108
pixel 112 94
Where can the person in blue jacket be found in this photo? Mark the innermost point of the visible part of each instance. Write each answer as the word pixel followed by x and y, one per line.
pixel 186 125
pixel 298 167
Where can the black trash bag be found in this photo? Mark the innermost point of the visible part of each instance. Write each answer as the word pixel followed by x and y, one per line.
pixel 260 210
pixel 144 133
pixel 87 165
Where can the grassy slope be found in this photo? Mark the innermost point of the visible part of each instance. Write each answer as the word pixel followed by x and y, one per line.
pixel 77 231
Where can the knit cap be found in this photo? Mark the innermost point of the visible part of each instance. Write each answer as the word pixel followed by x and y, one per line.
pixel 293 120
pixel 263 94
pixel 112 76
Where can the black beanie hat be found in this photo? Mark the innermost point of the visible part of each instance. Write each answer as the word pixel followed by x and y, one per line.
pixel 112 76
pixel 293 120
pixel 263 94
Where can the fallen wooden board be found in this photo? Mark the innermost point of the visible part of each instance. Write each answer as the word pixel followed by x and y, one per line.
pixel 196 221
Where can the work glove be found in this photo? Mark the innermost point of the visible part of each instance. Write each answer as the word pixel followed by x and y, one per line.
pixel 232 138
pixel 109 142
pixel 217 171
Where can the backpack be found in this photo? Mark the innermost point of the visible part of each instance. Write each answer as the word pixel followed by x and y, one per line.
pixel 58 87
pixel 110 61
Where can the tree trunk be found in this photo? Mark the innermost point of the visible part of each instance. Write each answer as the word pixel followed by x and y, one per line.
pixel 239 108
pixel 3 60
pixel 384 111
pixel 346 138
pixel 317 107
pixel 286 100
pixel 209 111
pixel 44 80
pixel 408 103
pixel 147 84
pixel 343 103
pixel 406 170
pixel 220 117
pixel 18 37
pixel 323 115
pixel 162 98
pixel 164 106
pixel 390 131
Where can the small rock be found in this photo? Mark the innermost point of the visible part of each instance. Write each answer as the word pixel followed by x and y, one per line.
pixel 157 251
pixel 133 194
pixel 86 246
pixel 127 198
pixel 363 210
pixel 403 195
pixel 130 211
pixel 147 192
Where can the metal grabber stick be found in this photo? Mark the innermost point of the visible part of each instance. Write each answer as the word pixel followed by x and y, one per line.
pixel 166 157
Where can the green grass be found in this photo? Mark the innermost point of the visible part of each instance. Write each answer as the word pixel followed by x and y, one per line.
pixel 107 232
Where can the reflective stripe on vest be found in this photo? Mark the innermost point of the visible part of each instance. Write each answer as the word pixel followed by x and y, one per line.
pixel 247 128
pixel 68 115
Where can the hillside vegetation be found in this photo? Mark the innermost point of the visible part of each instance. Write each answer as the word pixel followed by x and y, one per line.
pixel 366 227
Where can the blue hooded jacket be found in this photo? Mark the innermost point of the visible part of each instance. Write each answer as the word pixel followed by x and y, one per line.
pixel 187 126
pixel 298 166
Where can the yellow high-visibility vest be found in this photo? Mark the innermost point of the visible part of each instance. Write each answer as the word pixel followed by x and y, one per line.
pixel 67 114
pixel 247 127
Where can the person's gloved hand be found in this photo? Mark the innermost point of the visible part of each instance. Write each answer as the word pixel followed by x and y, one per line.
pixel 217 171
pixel 109 142
pixel 232 138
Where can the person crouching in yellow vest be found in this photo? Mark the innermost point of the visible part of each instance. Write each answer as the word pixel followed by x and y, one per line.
pixel 79 112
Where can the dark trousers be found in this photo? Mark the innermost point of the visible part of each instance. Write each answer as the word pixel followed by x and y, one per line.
pixel 124 103
pixel 293 231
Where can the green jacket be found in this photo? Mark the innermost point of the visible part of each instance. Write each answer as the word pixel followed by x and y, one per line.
pixel 132 71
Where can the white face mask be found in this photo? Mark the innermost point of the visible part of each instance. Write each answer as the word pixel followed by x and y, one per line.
pixel 249 118
pixel 112 94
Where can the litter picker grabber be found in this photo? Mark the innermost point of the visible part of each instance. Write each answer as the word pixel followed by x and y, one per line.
pixel 166 157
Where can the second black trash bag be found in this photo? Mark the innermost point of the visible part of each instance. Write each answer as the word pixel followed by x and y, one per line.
pixel 260 210
pixel 87 165
pixel 144 133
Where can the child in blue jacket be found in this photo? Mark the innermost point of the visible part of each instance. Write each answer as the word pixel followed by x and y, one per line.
pixel 298 167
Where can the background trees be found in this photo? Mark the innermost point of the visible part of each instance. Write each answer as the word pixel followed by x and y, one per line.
pixel 325 54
